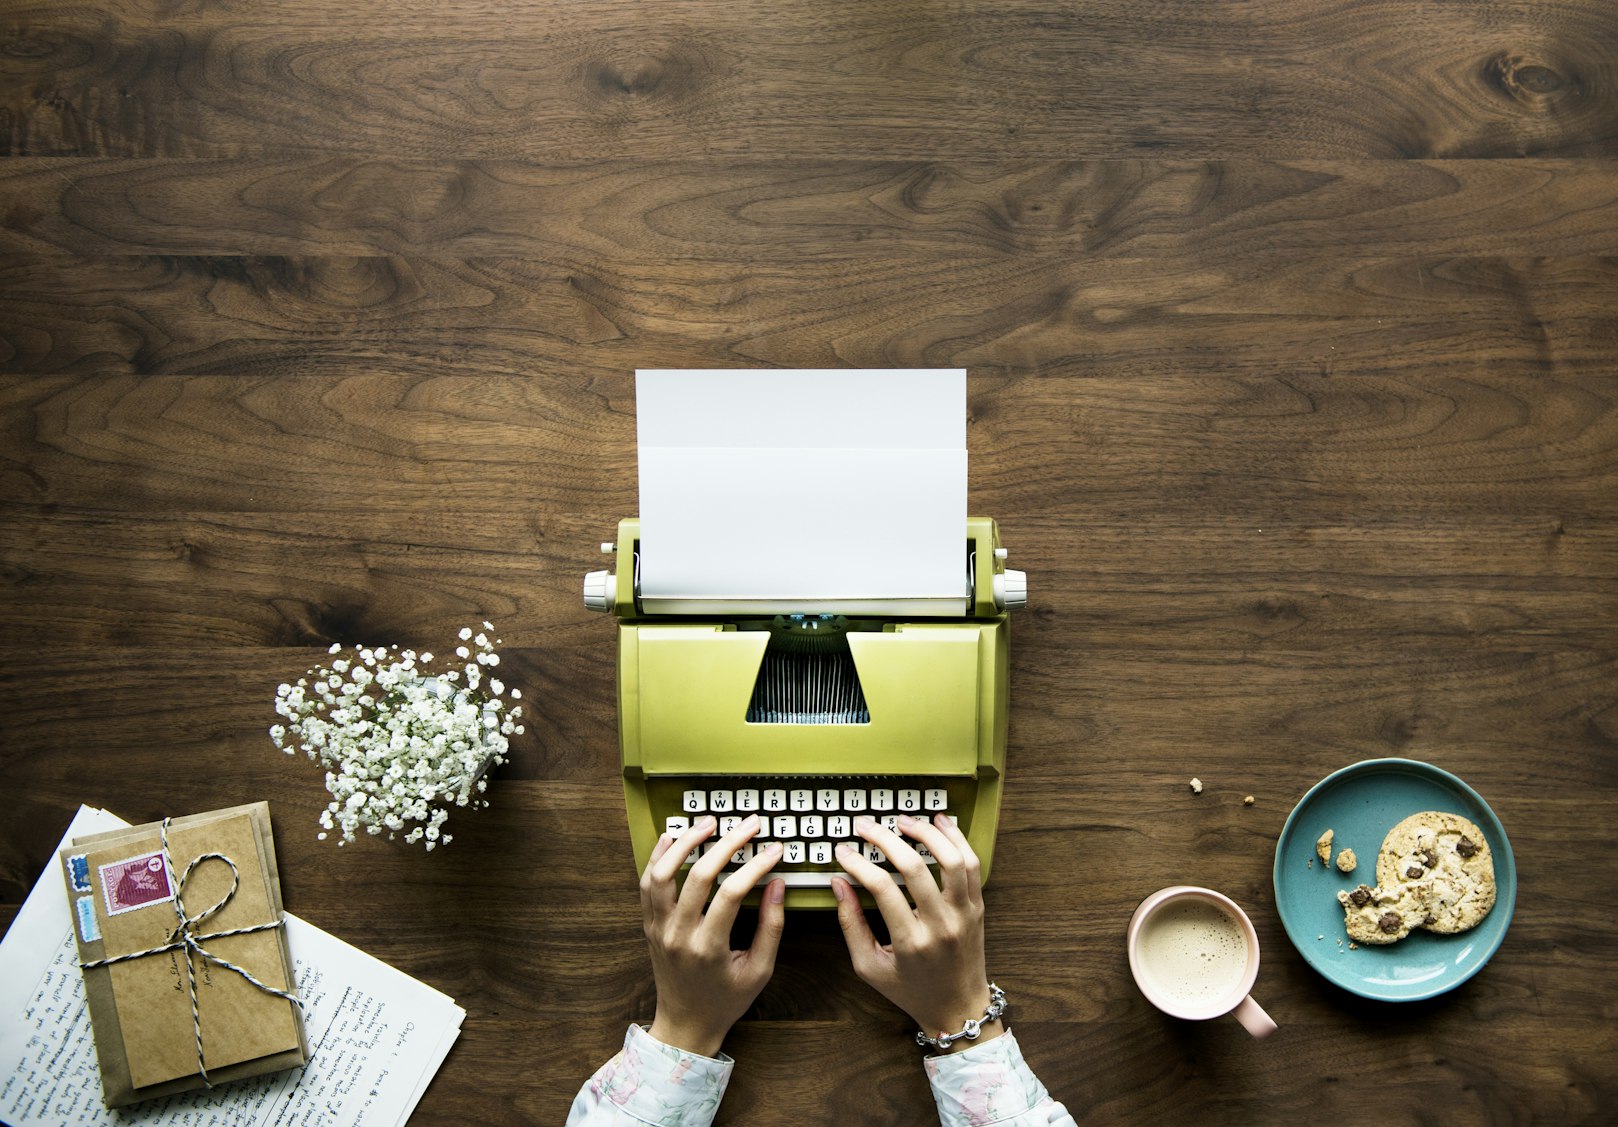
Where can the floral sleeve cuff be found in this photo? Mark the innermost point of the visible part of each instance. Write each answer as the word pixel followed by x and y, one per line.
pixel 985 1084
pixel 657 1084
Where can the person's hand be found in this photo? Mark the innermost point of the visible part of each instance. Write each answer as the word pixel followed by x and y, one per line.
pixel 702 985
pixel 933 968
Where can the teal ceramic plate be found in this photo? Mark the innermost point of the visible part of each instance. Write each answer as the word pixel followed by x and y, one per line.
pixel 1361 804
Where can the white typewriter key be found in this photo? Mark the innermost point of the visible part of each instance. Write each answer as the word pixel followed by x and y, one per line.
pixel 793 853
pixel 694 802
pixel 839 825
pixel 747 801
pixel 925 854
pixel 874 855
pixel 729 822
pixel 854 801
pixel 826 801
pixel 720 801
pixel 935 799
pixel 742 855
pixel 786 826
pixel 803 800
pixel 910 801
pixel 676 824
pixel 775 800
pixel 815 878
pixel 820 852
pixel 691 857
pixel 881 799
pixel 890 822
pixel 810 825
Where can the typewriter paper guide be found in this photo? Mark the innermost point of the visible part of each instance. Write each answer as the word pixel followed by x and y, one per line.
pixel 818 490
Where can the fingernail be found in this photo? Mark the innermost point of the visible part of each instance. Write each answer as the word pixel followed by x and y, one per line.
pixel 844 849
pixel 773 848
pixel 750 822
pixel 906 820
pixel 778 891
pixel 865 821
pixel 837 889
pixel 707 822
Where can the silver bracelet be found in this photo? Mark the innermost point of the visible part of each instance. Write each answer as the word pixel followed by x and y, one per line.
pixel 973 1026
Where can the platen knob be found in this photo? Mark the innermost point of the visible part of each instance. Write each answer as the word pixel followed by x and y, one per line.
pixel 1011 589
pixel 600 590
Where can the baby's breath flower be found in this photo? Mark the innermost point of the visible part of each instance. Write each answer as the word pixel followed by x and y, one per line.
pixel 399 757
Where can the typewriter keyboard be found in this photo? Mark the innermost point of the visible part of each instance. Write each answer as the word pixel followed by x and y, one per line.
pixel 810 817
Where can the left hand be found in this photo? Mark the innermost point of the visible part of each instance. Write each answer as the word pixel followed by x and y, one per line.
pixel 703 986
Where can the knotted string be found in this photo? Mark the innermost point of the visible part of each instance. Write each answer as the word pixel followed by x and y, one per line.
pixel 184 936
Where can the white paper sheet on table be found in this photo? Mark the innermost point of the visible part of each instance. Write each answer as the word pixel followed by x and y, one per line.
pixel 376 1035
pixel 819 490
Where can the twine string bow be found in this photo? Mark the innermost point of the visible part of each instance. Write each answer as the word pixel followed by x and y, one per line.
pixel 184 935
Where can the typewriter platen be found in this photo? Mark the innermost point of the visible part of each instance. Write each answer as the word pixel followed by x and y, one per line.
pixel 811 713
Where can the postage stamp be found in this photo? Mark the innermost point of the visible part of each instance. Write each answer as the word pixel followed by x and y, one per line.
pixel 136 882
pixel 78 871
pixel 89 929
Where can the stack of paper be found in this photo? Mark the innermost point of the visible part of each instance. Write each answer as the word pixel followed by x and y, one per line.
pixel 376 1035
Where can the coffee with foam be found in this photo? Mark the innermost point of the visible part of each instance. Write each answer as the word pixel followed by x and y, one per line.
pixel 1194 952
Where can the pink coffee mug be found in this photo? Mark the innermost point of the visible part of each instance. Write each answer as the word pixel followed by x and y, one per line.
pixel 1194 954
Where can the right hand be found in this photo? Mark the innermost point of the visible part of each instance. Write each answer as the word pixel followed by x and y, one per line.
pixel 933 969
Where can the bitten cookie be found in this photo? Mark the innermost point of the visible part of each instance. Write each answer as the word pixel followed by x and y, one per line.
pixel 1381 916
pixel 1449 855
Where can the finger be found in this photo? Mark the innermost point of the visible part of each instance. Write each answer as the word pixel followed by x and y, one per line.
pixel 863 950
pixel 923 890
pixel 728 900
pixel 700 880
pixel 971 867
pixel 772 922
pixel 890 901
pixel 951 865
pixel 657 882
pixel 662 847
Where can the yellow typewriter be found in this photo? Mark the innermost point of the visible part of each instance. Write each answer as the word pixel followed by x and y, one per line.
pixel 797 696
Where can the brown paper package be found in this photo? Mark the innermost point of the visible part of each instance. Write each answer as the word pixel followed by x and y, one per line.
pixel 140 1009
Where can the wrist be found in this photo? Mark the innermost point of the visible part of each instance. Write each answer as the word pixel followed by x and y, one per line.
pixel 690 1037
pixel 964 1024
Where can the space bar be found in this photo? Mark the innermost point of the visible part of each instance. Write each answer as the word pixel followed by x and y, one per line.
pixel 817 878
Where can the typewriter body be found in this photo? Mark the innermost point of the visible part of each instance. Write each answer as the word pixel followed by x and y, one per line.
pixel 812 711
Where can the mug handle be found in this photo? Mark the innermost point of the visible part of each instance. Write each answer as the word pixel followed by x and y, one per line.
pixel 1254 1019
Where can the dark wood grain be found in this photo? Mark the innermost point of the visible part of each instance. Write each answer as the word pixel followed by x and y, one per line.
pixel 1292 332
pixel 1341 79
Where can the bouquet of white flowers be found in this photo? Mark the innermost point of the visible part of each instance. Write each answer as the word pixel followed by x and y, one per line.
pixel 401 742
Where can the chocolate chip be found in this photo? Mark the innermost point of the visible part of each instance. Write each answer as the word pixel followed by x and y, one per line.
pixel 1466 847
pixel 1414 872
pixel 1360 897
pixel 1429 858
pixel 1389 922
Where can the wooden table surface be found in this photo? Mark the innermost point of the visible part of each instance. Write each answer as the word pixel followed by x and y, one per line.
pixel 1292 332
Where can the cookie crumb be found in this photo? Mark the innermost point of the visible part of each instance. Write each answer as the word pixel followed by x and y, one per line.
pixel 1346 861
pixel 1248 800
pixel 1196 786
pixel 1352 946
pixel 1323 846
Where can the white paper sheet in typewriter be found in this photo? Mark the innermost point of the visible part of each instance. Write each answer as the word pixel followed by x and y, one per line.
pixel 814 488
